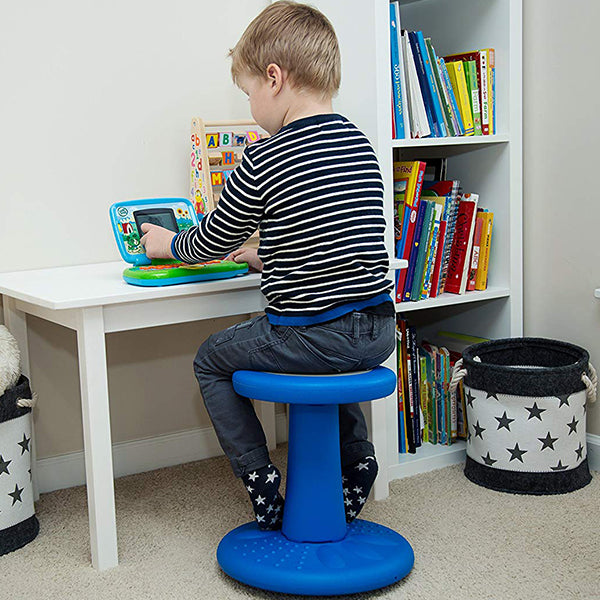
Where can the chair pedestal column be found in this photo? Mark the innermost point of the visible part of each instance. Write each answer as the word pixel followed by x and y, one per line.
pixel 314 506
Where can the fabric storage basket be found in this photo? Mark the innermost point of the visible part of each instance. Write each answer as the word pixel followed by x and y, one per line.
pixel 526 401
pixel 18 523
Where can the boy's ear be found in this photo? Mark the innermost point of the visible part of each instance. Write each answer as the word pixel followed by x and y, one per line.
pixel 276 77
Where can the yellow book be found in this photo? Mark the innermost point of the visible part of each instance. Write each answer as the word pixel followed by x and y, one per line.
pixel 456 73
pixel 406 174
pixel 484 251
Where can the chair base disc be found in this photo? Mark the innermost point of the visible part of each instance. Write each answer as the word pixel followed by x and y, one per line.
pixel 370 557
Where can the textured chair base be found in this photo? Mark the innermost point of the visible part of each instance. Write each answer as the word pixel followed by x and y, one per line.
pixel 371 556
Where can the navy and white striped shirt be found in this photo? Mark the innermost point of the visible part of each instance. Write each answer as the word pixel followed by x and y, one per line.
pixel 315 192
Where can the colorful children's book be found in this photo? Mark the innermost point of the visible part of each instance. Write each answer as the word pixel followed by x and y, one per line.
pixel 481 277
pixel 415 292
pixel 408 407
pixel 397 75
pixel 456 282
pixel 458 122
pixel 439 89
pixel 459 84
pixel 432 247
pixel 481 58
pixel 419 124
pixel 475 253
pixel 414 252
pixel 471 77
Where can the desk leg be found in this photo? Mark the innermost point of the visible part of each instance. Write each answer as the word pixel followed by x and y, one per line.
pixel 97 438
pixel 16 322
pixel 265 411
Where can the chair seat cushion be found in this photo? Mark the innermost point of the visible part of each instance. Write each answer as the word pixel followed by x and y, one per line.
pixel 340 388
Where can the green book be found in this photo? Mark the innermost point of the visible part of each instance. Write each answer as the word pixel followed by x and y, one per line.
pixel 472 86
pixel 415 293
pixel 444 100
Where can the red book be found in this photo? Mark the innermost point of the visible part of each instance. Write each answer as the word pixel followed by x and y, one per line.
pixel 456 279
pixel 438 260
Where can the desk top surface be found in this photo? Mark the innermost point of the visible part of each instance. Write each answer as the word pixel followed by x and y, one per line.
pixel 101 284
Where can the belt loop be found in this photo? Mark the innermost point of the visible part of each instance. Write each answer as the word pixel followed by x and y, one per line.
pixel 355 327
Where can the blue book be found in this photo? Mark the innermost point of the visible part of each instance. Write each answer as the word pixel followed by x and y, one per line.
pixel 415 293
pixel 438 115
pixel 414 251
pixel 425 92
pixel 397 69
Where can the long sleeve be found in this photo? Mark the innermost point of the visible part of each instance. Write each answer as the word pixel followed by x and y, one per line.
pixel 230 224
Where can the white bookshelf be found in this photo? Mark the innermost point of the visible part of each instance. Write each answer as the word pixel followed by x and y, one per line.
pixel 488 165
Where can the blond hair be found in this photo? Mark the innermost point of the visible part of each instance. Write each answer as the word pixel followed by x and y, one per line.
pixel 296 37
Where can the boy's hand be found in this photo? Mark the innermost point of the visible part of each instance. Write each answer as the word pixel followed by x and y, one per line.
pixel 157 241
pixel 248 255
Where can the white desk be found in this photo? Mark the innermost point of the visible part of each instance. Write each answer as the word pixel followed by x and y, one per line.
pixel 94 300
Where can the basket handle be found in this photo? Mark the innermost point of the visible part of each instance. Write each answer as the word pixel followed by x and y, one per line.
pixel 591 383
pixel 28 402
pixel 458 374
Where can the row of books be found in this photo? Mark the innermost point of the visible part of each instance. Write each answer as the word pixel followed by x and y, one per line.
pixel 443 234
pixel 454 95
pixel 427 411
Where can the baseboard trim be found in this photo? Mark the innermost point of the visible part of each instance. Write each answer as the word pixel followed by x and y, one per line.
pixel 138 456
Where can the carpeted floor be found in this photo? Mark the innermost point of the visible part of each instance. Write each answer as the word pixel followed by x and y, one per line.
pixel 469 542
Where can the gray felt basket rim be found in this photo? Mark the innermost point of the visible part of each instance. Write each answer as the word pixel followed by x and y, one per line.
pixel 480 350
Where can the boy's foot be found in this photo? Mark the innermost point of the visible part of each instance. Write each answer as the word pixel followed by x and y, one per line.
pixel 262 486
pixel 357 481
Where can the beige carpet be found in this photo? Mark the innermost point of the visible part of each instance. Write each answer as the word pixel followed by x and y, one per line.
pixel 469 542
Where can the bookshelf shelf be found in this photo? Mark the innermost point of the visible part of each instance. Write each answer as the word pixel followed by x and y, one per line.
pixel 453 141
pixel 490 166
pixel 453 299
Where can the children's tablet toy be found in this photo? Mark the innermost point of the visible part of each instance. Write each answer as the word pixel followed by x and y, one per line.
pixel 175 214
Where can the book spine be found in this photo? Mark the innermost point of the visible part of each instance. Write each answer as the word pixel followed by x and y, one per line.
pixel 491 63
pixel 475 254
pixel 408 408
pixel 423 85
pixel 401 419
pixel 450 229
pixel 484 92
pixel 471 76
pixel 414 359
pixel 412 260
pixel 430 82
pixel 431 251
pixel 459 126
pixel 441 94
pixel 473 198
pixel 460 244
pixel 415 291
pixel 424 396
pixel 396 67
pixel 438 260
pixel 486 242
pixel 459 83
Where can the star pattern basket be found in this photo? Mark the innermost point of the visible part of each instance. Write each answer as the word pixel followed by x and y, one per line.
pixel 526 401
pixel 18 523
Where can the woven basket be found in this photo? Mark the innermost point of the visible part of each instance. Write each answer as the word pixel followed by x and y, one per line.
pixel 526 402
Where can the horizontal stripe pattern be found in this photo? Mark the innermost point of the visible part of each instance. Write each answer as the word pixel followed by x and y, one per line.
pixel 314 190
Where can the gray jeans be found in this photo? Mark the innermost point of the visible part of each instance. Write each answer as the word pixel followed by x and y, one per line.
pixel 353 342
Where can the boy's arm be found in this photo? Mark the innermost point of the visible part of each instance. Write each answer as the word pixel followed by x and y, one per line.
pixel 229 225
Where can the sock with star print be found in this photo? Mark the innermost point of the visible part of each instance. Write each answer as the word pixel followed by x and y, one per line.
pixel 262 486
pixel 357 481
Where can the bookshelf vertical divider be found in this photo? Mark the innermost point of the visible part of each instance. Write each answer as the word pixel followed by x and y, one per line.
pixel 489 165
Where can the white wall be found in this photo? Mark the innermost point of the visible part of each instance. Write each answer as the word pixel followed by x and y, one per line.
pixel 95 105
pixel 96 99
pixel 561 168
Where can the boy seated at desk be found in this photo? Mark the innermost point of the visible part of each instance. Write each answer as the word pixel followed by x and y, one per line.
pixel 314 190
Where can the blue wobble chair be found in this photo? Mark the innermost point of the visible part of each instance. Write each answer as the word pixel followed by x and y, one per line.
pixel 316 551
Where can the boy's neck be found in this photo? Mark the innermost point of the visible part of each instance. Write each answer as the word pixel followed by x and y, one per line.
pixel 305 106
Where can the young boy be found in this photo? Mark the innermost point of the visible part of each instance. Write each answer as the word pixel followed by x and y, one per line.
pixel 315 191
